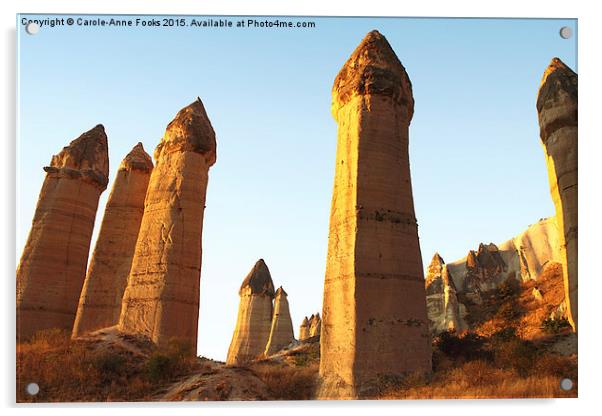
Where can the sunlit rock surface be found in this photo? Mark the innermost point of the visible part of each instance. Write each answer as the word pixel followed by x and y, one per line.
pixel 161 299
pixel 100 299
pixel 52 269
pixel 374 319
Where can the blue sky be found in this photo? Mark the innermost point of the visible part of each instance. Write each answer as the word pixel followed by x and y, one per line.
pixel 478 169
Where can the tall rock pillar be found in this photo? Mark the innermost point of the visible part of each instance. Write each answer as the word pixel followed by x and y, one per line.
pixel 100 299
pixel 53 264
pixel 557 109
pixel 161 299
pixel 254 320
pixel 374 319
pixel 281 332
pixel 304 329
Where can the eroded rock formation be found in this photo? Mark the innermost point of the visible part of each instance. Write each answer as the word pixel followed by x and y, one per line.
pixel 304 329
pixel 315 325
pixel 254 320
pixel 522 257
pixel 444 311
pixel 52 269
pixel 374 313
pixel 161 299
pixel 557 110
pixel 100 299
pixel 281 331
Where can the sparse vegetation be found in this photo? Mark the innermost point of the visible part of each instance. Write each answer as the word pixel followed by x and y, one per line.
pixel 286 382
pixel 79 371
pixel 554 326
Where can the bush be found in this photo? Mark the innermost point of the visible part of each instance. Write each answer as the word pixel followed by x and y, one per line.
pixel 288 383
pixel 509 289
pixel 173 360
pixel 467 347
pixel 554 326
pixel 159 367
pixel 108 364
pixel 505 334
pixel 509 311
pixel 516 354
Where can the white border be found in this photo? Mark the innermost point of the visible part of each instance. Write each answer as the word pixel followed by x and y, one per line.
pixel 589 176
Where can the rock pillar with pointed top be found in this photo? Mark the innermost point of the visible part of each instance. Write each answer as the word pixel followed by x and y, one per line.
pixel 100 299
pixel 557 110
pixel 304 329
pixel 254 320
pixel 281 332
pixel 315 325
pixel 161 299
pixel 53 265
pixel 444 311
pixel 374 319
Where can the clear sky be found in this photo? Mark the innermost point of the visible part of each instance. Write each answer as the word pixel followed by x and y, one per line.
pixel 478 169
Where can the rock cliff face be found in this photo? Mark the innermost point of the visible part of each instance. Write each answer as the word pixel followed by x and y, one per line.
pixel 254 321
pixel 444 311
pixel 281 331
pixel 53 264
pixel 100 299
pixel 523 257
pixel 304 329
pixel 557 110
pixel 161 299
pixel 374 312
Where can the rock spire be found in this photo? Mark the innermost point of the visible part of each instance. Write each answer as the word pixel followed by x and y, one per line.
pixel 161 299
pixel 254 321
pixel 374 319
pixel 281 332
pixel 557 111
pixel 100 299
pixel 444 311
pixel 53 264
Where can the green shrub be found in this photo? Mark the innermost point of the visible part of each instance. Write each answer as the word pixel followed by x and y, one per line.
pixel 108 364
pixel 516 354
pixel 467 347
pixel 505 334
pixel 509 289
pixel 160 367
pixel 554 326
pixel 509 311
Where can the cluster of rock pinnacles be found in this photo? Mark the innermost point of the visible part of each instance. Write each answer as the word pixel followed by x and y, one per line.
pixel 144 274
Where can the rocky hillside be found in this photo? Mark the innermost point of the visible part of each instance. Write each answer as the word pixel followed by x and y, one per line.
pixel 453 287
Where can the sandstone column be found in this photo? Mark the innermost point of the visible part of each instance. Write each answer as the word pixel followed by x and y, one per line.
pixel 254 320
pixel 374 313
pixel 557 109
pixel 161 299
pixel 444 310
pixel 53 264
pixel 315 325
pixel 304 329
pixel 281 332
pixel 100 300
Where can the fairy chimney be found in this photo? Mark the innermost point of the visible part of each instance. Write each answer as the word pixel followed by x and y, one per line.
pixel 100 299
pixel 557 111
pixel 281 331
pixel 374 319
pixel 254 320
pixel 52 269
pixel 161 299
pixel 304 329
